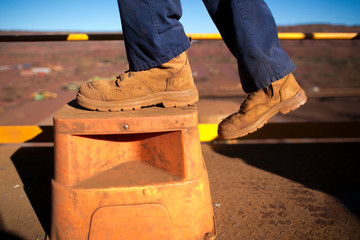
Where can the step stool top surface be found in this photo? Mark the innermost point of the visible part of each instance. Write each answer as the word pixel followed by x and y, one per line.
pixel 72 118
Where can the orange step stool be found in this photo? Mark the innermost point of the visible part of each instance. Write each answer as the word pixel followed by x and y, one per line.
pixel 135 175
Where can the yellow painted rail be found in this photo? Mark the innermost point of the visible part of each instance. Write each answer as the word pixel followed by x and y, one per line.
pixel 208 132
pixel 18 134
pixel 22 134
pixel 194 36
pixel 287 36
pixel 319 36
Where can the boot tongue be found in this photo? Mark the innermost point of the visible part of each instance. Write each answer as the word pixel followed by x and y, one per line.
pixel 269 91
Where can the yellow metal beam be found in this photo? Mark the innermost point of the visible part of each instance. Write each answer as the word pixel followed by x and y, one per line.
pixel 285 36
pixel 204 36
pixel 208 132
pixel 194 36
pixel 340 36
pixel 18 134
pixel 77 37
pixel 293 36
pixel 317 36
pixel 21 134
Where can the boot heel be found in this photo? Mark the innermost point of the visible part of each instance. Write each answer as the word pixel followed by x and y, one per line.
pixel 294 103
pixel 170 103
pixel 181 98
pixel 286 110
pixel 176 104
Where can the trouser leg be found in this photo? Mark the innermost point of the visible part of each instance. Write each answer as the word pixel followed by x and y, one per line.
pixel 250 32
pixel 152 32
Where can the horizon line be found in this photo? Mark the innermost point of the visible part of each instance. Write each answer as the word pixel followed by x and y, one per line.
pixel 120 31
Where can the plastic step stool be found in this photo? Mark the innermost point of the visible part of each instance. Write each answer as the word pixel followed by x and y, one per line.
pixel 130 175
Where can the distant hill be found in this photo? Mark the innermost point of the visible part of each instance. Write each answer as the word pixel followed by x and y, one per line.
pixel 319 28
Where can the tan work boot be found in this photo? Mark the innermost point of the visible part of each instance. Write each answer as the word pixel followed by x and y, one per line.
pixel 170 84
pixel 258 107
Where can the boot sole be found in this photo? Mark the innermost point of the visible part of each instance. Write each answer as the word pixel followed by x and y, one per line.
pixel 168 99
pixel 284 107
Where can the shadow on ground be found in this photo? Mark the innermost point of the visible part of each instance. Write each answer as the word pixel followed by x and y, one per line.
pixel 35 166
pixel 7 235
pixel 329 167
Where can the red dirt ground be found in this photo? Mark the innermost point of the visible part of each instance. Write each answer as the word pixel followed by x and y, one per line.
pixel 321 65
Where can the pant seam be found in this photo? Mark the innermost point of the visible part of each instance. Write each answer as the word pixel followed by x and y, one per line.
pixel 157 28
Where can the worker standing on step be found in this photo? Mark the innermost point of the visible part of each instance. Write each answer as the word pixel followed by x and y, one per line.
pixel 159 72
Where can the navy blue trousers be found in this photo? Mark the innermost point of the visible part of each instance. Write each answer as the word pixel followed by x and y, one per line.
pixel 153 35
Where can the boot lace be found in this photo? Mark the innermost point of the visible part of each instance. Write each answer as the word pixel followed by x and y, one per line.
pixel 122 77
pixel 268 91
pixel 245 102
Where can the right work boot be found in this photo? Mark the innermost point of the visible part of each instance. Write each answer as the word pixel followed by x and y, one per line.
pixel 170 83
pixel 258 107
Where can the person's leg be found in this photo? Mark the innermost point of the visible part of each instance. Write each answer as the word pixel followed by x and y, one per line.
pixel 155 44
pixel 152 32
pixel 250 32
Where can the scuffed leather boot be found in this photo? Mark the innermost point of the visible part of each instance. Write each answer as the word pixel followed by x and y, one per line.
pixel 258 107
pixel 170 84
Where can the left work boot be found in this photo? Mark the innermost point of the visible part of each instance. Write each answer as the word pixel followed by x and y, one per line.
pixel 283 96
pixel 170 83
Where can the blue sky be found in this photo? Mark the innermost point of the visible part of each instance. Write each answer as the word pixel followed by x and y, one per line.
pixel 103 15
